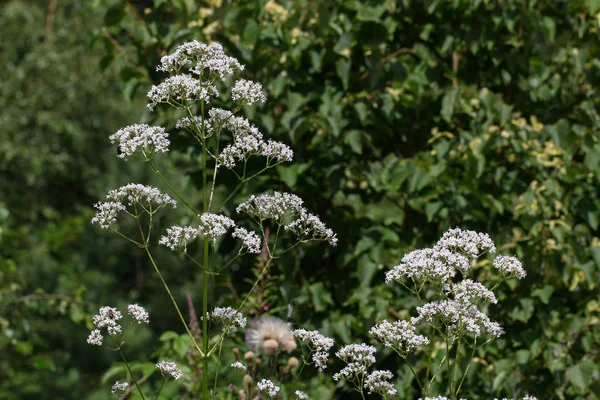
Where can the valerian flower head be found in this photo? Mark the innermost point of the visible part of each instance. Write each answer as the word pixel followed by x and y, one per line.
pixel 247 92
pixel 195 124
pixel 178 237
pixel 470 292
pixel 469 243
pixel 271 206
pixel 300 395
pixel 457 316
pixel 206 60
pixel 318 344
pixel 510 266
pixel 181 90
pixel 107 318
pixel 138 313
pixel 270 335
pixel 95 338
pixel 119 387
pixel 276 151
pixel 268 387
pixel 358 358
pixel 377 382
pixel 309 227
pixel 213 226
pixel 106 214
pixel 147 196
pixel 250 240
pixel 141 137
pixel 238 366
pixel 426 265
pixel 219 117
pixel 400 336
pixel 230 318
pixel 167 368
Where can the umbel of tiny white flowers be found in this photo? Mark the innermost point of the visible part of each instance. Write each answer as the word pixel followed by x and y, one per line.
pixel 377 382
pixel 108 317
pixel 231 319
pixel 358 357
pixel 119 387
pixel 168 368
pixel 318 345
pixel 267 387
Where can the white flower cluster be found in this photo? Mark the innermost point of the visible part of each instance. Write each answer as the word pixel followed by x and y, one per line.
pixel 167 368
pixel 138 313
pixel 526 397
pixel 428 265
pixel 358 358
pixel 300 395
pixel 318 344
pixel 248 141
pixel 510 266
pixel 470 292
pixel 309 227
pixel 457 316
pixel 247 92
pixel 136 193
pixel 400 336
pixel 230 318
pixel 148 139
pixel 178 237
pixel 377 382
pixel 181 90
pixel 106 214
pixel 213 226
pixel 268 387
pixel 271 206
pixel 194 124
pixel 470 243
pixel 238 366
pixel 250 240
pixel 107 318
pixel 95 338
pixel 119 387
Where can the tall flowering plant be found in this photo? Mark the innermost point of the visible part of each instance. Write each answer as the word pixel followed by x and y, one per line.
pixel 198 73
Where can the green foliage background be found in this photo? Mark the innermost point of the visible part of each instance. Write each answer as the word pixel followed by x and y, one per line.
pixel 407 118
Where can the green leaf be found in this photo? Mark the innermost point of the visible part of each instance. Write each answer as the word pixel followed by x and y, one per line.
pixel 543 293
pixel 114 14
pixel 355 141
pixel 580 374
pixel 320 296
pixel 251 31
pixel 168 335
pixel 448 102
pixel 44 363
pixel 342 67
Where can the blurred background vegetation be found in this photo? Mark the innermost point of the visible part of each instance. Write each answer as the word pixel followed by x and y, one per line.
pixel 407 118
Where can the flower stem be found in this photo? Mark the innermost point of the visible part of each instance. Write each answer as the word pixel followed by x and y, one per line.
pixel 160 388
pixel 129 369
pixel 205 262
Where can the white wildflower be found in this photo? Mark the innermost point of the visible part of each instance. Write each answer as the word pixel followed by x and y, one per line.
pixel 470 243
pixel 119 387
pixel 229 156
pixel 318 344
pixel 219 117
pixel 194 124
pixel 178 237
pixel 181 90
pixel 148 139
pixel 250 240
pixel 276 150
pixel 106 216
pixel 270 335
pixel 238 366
pixel 510 266
pixel 274 206
pixel 138 313
pixel 268 387
pixel 107 318
pixel 247 92
pixel 470 292
pixel 230 318
pixel 435 398
pixel 309 227
pixel 300 395
pixel 427 265
pixel 457 316
pixel 213 225
pixel 358 358
pixel 203 59
pixel 95 338
pixel 400 336
pixel 136 193
pixel 167 368
pixel 377 382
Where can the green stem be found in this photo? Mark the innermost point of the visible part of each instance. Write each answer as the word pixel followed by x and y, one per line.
pixel 160 388
pixel 205 262
pixel 129 239
pixel 218 366
pixel 129 369
pixel 468 365
pixel 456 362
pixel 172 189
